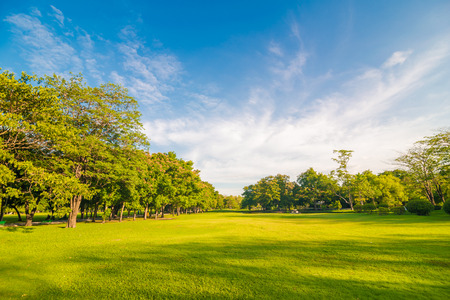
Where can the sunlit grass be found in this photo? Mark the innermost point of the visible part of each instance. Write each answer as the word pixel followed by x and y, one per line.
pixel 232 255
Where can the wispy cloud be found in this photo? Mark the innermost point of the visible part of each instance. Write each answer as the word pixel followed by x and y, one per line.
pixel 149 72
pixel 65 48
pixel 58 15
pixel 241 145
pixel 397 58
pixel 41 47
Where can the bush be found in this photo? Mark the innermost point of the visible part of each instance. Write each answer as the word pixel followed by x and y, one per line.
pixel 420 207
pixel 446 207
pixel 383 210
pixel 369 207
pixel 358 208
pixel 383 205
pixel 437 207
pixel 399 210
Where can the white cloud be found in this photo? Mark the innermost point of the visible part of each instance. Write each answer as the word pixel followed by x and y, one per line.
pixel 149 73
pixel 58 15
pixel 275 49
pixel 36 12
pixel 239 145
pixel 44 50
pixel 397 58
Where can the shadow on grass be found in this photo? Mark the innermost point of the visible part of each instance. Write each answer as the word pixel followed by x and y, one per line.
pixel 401 220
pixel 224 268
pixel 18 229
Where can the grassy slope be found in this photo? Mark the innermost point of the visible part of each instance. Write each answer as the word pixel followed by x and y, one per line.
pixel 232 255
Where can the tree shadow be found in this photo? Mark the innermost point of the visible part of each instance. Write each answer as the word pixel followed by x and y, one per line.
pixel 22 229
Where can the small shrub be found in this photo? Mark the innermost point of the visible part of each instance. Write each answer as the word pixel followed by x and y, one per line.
pixel 437 207
pixel 446 207
pixel 399 210
pixel 383 210
pixel 369 207
pixel 358 208
pixel 420 207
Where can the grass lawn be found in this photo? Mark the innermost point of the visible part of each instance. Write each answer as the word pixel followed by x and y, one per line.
pixel 232 255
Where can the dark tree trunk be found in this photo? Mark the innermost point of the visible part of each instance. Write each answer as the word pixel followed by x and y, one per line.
pixel 2 205
pixel 18 213
pixel 111 214
pixel 29 215
pixel 74 205
pixel 95 212
pixel 29 219
pixel 121 212
pixel 146 212
pixel 82 209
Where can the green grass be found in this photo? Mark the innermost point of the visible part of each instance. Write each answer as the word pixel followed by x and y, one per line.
pixel 232 255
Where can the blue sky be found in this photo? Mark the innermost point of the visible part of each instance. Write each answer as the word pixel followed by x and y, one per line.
pixel 248 89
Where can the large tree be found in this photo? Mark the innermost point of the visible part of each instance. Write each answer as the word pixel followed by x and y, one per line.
pixel 343 177
pixel 104 122
pixel 428 163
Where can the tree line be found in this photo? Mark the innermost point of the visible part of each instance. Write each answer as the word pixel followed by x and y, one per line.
pixel 67 148
pixel 423 175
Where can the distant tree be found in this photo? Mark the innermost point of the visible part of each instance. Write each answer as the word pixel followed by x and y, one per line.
pixel 427 163
pixel 315 188
pixel 343 178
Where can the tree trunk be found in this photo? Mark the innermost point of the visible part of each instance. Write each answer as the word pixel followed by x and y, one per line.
pixel 156 213
pixel 121 212
pixel 429 192
pixel 111 214
pixel 95 212
pixel 104 214
pixel 82 209
pixel 29 221
pixel 178 210
pixel 134 215
pixel 18 213
pixel 2 210
pixel 29 215
pixel 162 211
pixel 146 212
pixel 74 206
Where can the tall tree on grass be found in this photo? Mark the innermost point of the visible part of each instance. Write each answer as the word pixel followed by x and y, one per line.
pixel 343 177
pixel 32 126
pixel 428 164
pixel 104 120
pixel 315 188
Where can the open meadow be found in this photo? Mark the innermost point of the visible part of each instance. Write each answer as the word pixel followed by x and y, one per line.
pixel 232 255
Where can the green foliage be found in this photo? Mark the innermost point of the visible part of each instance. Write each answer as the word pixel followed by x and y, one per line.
pixel 336 204
pixel 358 208
pixel 64 144
pixel 383 210
pixel 271 192
pixel 420 207
pixel 232 256
pixel 399 210
pixel 369 207
pixel 446 207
